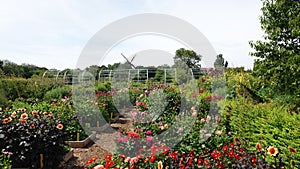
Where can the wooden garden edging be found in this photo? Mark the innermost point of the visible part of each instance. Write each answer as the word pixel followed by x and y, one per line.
pixel 82 143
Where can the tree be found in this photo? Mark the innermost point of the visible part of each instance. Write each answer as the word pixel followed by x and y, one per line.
pixel 113 66
pixel 219 62
pixel 11 69
pixel 1 64
pixel 188 57
pixel 279 52
pixel 186 62
pixel 27 70
pixel 93 69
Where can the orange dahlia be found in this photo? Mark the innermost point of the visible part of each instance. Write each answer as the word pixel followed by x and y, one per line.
pixel 23 121
pixel 272 151
pixel 50 114
pixel 258 146
pixel 160 165
pixel 13 115
pixel 293 150
pixel 35 113
pixel 5 121
pixel 59 126
pixel 32 126
pixel 24 116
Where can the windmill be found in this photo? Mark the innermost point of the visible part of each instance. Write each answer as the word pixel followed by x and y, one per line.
pixel 129 62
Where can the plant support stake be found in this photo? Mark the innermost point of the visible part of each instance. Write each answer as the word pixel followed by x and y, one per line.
pixel 78 136
pixel 41 161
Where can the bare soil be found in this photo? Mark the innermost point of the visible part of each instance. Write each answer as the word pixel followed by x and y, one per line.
pixel 103 145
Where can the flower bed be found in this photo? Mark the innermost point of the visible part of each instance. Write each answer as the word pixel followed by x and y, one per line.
pixel 233 155
pixel 33 136
pixel 207 144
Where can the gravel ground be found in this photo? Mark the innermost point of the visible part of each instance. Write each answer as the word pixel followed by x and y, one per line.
pixel 82 155
pixel 103 145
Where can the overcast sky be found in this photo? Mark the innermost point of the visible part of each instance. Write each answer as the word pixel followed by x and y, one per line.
pixel 53 33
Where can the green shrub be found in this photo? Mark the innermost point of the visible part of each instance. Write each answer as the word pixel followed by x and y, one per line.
pixel 58 93
pixel 3 99
pixel 290 100
pixel 245 84
pixel 28 90
pixel 266 123
pixel 104 87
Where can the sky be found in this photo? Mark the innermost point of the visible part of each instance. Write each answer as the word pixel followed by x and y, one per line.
pixel 53 33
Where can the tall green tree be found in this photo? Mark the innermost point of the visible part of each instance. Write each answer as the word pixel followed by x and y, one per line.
pixel 188 57
pixel 11 69
pixel 186 62
pixel 279 51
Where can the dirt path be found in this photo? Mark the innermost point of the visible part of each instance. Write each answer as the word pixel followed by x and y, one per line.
pixel 103 144
pixel 82 155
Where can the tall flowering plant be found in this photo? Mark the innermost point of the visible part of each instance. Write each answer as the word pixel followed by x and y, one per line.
pixel 64 110
pixel 34 137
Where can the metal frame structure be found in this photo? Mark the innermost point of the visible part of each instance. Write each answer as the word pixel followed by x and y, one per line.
pixel 137 75
pixel 53 72
pixel 166 73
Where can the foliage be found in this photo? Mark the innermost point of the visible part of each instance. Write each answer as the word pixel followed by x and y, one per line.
pixel 94 108
pixel 5 162
pixel 104 87
pixel 64 110
pixel 266 123
pixel 280 50
pixel 186 60
pixel 11 69
pixel 157 109
pixel 57 94
pixel 106 104
pixel 28 90
pixel 240 83
pixel 3 98
pixel 31 133
pixel 291 101
pixel 255 113
pixel 188 57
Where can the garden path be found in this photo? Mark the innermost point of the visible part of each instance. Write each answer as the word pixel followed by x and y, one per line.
pixel 103 144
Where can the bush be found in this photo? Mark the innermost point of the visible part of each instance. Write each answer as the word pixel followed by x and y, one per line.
pixel 266 123
pixel 28 134
pixel 91 107
pixel 246 85
pixel 104 87
pixel 28 90
pixel 292 101
pixel 64 110
pixel 58 93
